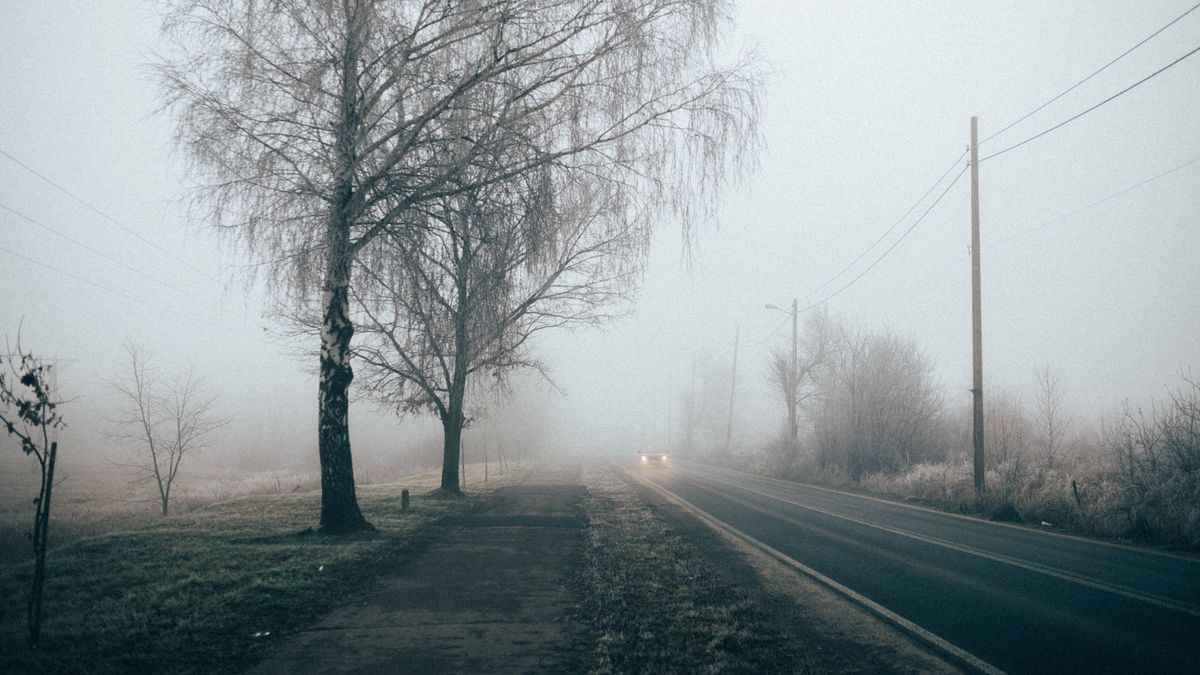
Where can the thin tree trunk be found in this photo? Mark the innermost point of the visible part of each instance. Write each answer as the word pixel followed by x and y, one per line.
pixel 41 533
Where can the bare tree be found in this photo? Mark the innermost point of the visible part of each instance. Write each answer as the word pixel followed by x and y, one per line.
pixel 163 427
pixel 29 411
pixel 880 408
pixel 1009 430
pixel 1158 455
pixel 320 127
pixel 1052 420
pixel 799 386
pixel 470 287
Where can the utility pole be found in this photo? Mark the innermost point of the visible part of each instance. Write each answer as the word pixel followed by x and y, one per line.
pixel 669 398
pixel 976 316
pixel 690 432
pixel 732 385
pixel 793 381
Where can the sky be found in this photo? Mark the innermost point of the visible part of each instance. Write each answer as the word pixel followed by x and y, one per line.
pixel 866 105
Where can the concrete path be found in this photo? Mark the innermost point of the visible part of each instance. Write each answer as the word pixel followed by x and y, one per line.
pixel 486 596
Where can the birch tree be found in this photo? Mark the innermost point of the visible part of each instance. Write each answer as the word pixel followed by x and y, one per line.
pixel 455 312
pixel 319 127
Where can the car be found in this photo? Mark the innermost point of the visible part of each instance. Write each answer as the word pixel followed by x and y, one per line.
pixel 653 457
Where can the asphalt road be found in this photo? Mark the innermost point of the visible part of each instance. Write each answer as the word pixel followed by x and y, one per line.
pixel 1019 599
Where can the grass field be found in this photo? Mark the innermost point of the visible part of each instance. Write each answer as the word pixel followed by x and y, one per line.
pixel 207 590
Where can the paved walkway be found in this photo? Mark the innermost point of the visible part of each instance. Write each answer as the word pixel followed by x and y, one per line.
pixel 487 596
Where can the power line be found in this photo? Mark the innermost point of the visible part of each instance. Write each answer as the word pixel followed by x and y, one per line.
pixel 100 286
pixel 1098 202
pixel 96 252
pixel 1078 115
pixel 107 217
pixel 890 229
pixel 894 244
pixel 782 323
pixel 1068 90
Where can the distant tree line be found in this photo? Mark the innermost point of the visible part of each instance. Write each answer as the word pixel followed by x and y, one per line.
pixel 871 413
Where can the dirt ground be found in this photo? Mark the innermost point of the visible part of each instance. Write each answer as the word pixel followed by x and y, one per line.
pixel 493 592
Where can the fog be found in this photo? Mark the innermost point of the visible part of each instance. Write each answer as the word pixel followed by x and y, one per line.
pixel 866 105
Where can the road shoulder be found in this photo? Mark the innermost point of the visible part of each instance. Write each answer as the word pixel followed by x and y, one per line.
pixel 832 634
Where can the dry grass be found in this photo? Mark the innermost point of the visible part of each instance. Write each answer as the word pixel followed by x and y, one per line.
pixel 205 591
pixel 94 498
pixel 655 601
pixel 1046 497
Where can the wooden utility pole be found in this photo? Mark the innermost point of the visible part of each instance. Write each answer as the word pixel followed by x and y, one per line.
pixel 976 316
pixel 732 386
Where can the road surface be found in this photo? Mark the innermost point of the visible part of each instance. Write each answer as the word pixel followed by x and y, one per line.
pixel 1017 599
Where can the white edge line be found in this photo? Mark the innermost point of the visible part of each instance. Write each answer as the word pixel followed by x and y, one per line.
pixel 970 519
pixel 1038 568
pixel 959 656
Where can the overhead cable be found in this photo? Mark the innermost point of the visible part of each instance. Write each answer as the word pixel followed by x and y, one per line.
pixel 1081 114
pixel 93 284
pixel 107 217
pixel 94 251
pixel 894 244
pixel 1068 90
pixel 769 336
pixel 1098 202
pixel 890 229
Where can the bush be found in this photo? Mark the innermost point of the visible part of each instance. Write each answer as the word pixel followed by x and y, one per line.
pixel 1158 474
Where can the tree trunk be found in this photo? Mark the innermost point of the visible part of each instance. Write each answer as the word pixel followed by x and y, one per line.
pixel 453 420
pixel 452 425
pixel 339 504
pixel 41 536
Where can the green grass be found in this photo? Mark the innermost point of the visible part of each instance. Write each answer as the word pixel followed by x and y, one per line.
pixel 198 592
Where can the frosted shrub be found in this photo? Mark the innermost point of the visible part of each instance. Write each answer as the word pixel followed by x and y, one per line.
pixel 1158 472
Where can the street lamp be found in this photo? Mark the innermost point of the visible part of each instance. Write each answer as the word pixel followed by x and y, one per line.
pixel 791 391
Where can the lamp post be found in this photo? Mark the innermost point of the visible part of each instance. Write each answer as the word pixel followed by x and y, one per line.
pixel 791 383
